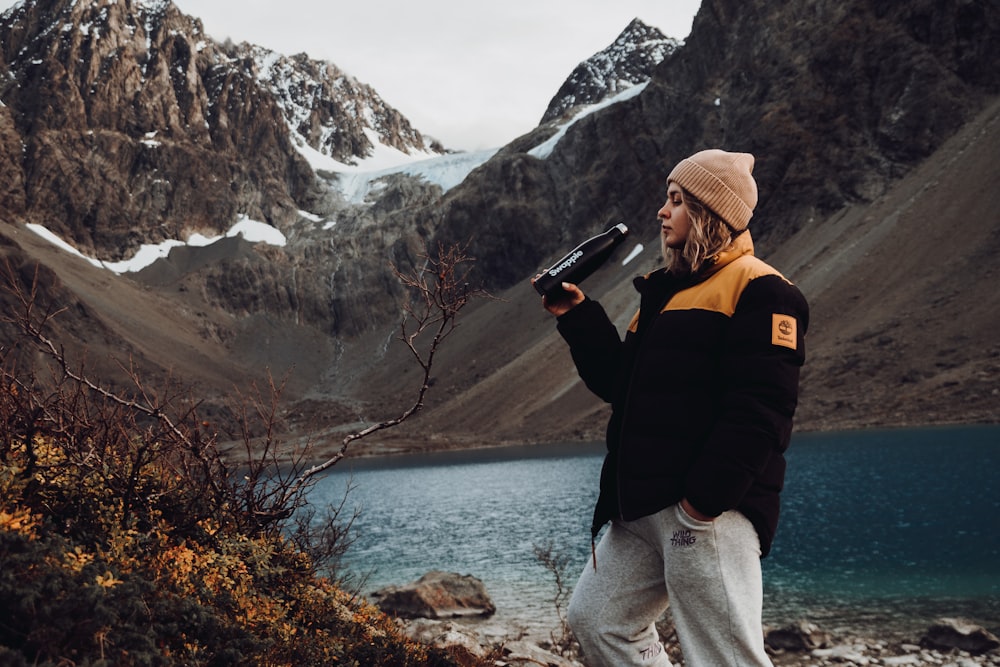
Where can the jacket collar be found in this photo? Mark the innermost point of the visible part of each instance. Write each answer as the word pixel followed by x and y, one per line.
pixel 742 245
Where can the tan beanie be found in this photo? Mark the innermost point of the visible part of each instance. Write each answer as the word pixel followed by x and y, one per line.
pixel 722 181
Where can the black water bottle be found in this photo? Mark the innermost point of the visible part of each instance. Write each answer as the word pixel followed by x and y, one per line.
pixel 580 262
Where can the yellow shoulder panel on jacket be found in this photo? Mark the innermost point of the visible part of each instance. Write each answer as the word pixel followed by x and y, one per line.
pixel 721 291
pixel 633 326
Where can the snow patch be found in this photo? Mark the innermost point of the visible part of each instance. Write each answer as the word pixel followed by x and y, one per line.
pixel 544 149
pixel 446 171
pixel 257 232
pixel 310 216
pixel 636 251
pixel 251 230
pixel 58 242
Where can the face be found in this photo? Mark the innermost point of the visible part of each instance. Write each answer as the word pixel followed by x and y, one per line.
pixel 674 221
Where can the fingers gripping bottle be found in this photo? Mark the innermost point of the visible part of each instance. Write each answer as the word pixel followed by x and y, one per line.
pixel 582 261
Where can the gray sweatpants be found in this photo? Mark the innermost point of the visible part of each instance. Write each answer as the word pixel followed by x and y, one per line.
pixel 707 572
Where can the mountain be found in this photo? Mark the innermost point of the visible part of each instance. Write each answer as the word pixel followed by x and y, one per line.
pixel 874 125
pixel 875 128
pixel 128 112
pixel 627 62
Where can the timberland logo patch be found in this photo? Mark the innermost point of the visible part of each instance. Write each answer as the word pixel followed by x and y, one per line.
pixel 783 331
pixel 683 538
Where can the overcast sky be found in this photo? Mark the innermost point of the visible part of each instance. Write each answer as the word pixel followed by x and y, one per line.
pixel 471 74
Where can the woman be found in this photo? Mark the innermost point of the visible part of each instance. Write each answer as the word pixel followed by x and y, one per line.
pixel 703 389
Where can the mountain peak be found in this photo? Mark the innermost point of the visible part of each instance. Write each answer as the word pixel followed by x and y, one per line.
pixel 331 111
pixel 628 61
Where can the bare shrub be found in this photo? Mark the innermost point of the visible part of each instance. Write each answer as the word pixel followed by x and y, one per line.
pixel 119 431
pixel 563 641
pixel 128 535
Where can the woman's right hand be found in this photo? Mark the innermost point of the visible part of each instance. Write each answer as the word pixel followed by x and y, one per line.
pixel 573 298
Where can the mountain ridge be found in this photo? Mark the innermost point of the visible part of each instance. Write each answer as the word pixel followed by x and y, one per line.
pixel 847 149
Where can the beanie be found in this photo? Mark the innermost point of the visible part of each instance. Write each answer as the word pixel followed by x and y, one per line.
pixel 722 181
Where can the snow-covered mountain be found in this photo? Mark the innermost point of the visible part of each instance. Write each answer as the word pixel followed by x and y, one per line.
pixel 332 112
pixel 173 133
pixel 628 61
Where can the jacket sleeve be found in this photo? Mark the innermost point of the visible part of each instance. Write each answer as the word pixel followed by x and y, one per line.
pixel 594 344
pixel 764 351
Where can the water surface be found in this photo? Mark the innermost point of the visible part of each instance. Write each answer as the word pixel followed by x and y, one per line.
pixel 890 528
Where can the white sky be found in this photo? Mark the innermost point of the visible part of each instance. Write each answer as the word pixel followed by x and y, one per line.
pixel 471 74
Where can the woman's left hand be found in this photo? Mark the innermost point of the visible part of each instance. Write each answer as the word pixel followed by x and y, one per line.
pixel 574 297
pixel 693 513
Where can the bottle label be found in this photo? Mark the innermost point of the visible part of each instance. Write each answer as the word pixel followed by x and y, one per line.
pixel 570 261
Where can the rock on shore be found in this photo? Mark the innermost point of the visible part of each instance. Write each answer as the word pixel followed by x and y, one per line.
pixel 436 595
pixel 448 610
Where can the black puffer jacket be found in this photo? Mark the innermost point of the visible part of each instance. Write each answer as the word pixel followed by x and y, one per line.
pixel 703 390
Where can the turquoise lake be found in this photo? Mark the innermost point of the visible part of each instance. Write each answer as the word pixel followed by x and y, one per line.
pixel 885 529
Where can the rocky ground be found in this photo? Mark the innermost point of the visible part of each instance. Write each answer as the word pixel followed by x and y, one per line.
pixel 452 610
pixel 949 643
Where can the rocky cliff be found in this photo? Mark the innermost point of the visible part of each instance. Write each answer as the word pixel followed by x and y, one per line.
pixel 126 113
pixel 123 124
pixel 136 127
pixel 874 125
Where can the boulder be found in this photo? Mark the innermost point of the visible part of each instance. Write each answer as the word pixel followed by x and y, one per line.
pixel 436 595
pixel 800 636
pixel 445 635
pixel 520 653
pixel 956 633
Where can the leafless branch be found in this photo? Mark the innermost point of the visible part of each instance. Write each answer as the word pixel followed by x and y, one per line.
pixel 33 326
pixel 438 291
pixel 269 486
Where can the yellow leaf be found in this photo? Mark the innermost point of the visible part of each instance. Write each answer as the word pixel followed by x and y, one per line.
pixel 108 580
pixel 77 559
pixel 20 521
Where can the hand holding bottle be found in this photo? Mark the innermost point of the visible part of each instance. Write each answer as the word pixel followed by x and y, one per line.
pixel 571 297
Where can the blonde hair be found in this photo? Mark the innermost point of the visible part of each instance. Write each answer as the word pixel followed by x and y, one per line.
pixel 709 235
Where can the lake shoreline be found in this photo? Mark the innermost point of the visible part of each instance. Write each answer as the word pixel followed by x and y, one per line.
pixel 375 460
pixel 866 621
pixel 405 450
pixel 797 643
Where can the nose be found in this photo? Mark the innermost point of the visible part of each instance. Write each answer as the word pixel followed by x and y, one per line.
pixel 663 214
